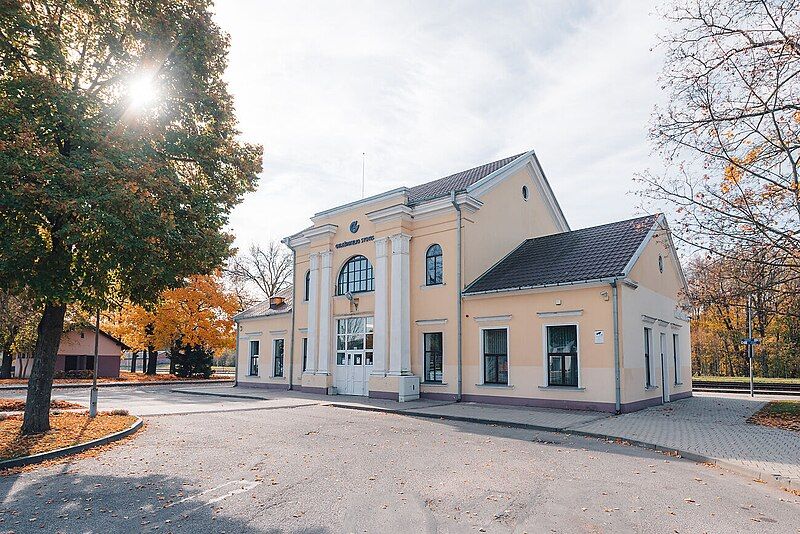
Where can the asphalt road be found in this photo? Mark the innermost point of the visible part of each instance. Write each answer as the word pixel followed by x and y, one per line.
pixel 313 468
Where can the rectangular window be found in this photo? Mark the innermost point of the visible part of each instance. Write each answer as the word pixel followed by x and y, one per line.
pixel 277 354
pixel 648 334
pixel 675 362
pixel 305 353
pixel 495 356
pixel 254 345
pixel 562 355
pixel 433 357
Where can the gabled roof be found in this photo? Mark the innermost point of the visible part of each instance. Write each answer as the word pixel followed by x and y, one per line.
pixel 599 252
pixel 456 182
pixel 262 309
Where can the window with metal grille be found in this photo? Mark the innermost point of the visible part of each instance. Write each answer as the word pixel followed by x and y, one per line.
pixel 495 356
pixel 356 276
pixel 308 285
pixel 433 266
pixel 305 353
pixel 562 355
pixel 433 356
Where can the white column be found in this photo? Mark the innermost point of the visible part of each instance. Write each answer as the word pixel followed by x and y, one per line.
pixel 381 273
pixel 313 281
pixel 325 318
pixel 400 332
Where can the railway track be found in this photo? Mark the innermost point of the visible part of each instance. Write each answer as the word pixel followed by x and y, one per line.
pixel 763 388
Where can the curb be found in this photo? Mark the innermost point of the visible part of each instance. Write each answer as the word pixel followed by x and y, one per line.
pixel 769 479
pixel 126 384
pixel 74 449
pixel 460 418
pixel 210 394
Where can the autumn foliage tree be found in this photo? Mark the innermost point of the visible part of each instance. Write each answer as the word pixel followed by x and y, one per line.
pixel 193 320
pixel 119 158
pixel 730 134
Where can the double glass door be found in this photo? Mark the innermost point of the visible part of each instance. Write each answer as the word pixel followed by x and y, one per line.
pixel 353 355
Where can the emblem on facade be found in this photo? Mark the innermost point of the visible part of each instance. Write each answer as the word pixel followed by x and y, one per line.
pixel 354 227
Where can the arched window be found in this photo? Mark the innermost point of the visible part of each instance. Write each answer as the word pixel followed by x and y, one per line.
pixel 356 276
pixel 308 285
pixel 433 265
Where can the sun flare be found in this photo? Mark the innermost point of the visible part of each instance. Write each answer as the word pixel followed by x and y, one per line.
pixel 142 92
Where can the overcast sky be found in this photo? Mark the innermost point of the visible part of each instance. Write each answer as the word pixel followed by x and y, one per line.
pixel 426 89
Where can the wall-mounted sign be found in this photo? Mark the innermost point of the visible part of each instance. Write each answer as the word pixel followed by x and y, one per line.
pixel 354 227
pixel 355 241
pixel 599 337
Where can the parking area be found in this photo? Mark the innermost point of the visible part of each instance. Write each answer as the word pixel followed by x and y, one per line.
pixel 254 465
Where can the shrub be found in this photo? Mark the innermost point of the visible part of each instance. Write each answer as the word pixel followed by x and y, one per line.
pixel 192 361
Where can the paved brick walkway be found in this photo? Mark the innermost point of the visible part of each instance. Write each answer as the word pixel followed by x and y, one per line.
pixel 715 427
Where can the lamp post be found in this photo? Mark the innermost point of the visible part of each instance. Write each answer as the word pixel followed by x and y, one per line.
pixel 93 392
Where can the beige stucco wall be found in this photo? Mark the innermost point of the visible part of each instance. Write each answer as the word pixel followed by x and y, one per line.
pixel 265 330
pixel 657 296
pixel 527 352
pixel 73 344
pixel 504 221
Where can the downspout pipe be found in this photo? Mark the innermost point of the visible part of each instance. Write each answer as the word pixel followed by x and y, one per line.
pixel 615 318
pixel 291 332
pixel 236 357
pixel 459 286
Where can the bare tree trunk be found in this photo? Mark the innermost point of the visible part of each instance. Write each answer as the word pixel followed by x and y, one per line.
pixel 5 367
pixel 40 384
pixel 152 360
pixel 134 355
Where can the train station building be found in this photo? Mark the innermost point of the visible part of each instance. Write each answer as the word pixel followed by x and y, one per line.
pixel 473 287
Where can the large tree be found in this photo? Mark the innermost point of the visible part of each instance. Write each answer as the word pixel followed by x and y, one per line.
pixel 119 158
pixel 730 133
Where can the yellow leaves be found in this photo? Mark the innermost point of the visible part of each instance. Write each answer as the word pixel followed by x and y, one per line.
pixel 733 172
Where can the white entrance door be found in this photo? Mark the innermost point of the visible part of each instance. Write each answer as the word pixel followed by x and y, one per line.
pixel 353 355
pixel 664 370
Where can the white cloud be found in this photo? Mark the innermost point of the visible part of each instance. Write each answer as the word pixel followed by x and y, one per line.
pixel 426 89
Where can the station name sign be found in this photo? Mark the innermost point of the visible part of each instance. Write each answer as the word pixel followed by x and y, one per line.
pixel 352 242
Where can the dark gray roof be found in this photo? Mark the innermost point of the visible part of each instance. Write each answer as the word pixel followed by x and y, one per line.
pixel 262 309
pixel 575 256
pixel 456 182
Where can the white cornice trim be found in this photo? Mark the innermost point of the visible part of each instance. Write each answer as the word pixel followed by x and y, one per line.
pixel 390 213
pixel 437 206
pixel 425 322
pixel 492 318
pixel 649 320
pixel 322 230
pixel 303 330
pixel 278 332
pixel 399 192
pixel 565 313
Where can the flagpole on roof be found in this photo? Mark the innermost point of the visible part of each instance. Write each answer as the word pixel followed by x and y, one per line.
pixel 363 168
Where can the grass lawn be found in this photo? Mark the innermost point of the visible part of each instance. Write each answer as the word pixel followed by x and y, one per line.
pixel 746 379
pixel 18 405
pixel 781 414
pixel 124 376
pixel 66 429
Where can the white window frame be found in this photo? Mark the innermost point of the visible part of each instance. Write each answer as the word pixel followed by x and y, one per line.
pixel 508 383
pixel 546 363
pixel 648 341
pixel 431 329
pixel 274 355
pixel 250 357
pixel 676 358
